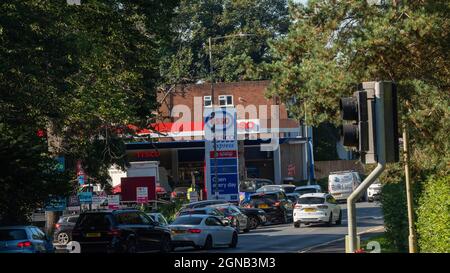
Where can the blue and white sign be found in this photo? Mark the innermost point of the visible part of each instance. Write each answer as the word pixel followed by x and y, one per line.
pixel 81 179
pixel 85 197
pixel 223 161
pixel 56 204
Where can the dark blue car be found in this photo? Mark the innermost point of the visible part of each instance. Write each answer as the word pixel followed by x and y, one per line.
pixel 24 239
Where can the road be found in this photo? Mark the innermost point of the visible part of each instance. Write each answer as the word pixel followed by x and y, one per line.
pixel 287 238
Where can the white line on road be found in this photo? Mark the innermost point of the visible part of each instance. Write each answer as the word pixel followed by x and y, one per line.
pixel 341 239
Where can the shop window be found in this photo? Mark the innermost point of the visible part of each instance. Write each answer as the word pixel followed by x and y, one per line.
pixel 226 100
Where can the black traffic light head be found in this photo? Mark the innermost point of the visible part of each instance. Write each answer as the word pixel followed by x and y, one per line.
pixel 354 109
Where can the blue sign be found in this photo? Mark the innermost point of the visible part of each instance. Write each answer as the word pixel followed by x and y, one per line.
pixel 55 204
pixel 85 197
pixel 81 179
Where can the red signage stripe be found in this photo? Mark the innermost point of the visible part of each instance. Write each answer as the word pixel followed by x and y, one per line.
pixel 224 154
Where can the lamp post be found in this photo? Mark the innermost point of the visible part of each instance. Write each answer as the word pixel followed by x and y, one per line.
pixel 211 74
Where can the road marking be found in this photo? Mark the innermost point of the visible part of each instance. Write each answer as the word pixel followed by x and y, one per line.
pixel 340 239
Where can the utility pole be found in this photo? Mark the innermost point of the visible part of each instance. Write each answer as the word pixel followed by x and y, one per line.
pixel 409 196
pixel 211 72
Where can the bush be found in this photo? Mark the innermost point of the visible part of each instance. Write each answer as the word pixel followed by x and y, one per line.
pixel 393 202
pixel 433 216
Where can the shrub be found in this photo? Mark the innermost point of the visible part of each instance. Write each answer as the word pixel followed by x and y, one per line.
pixel 393 202
pixel 433 216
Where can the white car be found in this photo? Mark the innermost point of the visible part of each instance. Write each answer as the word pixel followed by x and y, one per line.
pixel 202 231
pixel 374 191
pixel 307 189
pixel 317 208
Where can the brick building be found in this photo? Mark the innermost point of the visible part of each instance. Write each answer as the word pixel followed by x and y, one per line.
pixel 180 136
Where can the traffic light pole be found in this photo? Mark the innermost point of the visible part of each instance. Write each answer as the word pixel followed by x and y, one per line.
pixel 381 159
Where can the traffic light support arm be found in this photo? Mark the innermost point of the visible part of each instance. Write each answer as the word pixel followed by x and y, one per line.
pixel 381 159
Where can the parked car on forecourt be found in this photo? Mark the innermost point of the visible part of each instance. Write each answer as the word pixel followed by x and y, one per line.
pixel 120 231
pixel 287 188
pixel 179 193
pixel 275 204
pixel 24 239
pixel 307 189
pixel 158 217
pixel 237 219
pixel 256 217
pixel 317 208
pixel 202 231
pixel 63 229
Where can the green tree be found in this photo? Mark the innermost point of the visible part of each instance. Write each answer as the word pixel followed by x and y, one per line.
pixel 84 73
pixel 333 45
pixel 239 58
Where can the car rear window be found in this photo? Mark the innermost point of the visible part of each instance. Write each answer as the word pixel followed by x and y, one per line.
pixel 187 221
pixel 289 189
pixel 129 218
pixel 96 220
pixel 12 234
pixel 311 200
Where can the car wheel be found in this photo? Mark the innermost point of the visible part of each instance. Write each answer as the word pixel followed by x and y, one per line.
pixel 234 240
pixel 166 245
pixel 254 222
pixel 330 221
pixel 208 243
pixel 63 238
pixel 297 224
pixel 339 220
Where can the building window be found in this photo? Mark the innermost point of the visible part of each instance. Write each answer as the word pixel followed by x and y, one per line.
pixel 226 100
pixel 207 101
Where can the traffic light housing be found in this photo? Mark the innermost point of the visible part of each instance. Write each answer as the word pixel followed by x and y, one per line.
pixel 363 133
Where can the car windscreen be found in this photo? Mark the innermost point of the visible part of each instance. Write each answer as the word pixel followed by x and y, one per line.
pixel 305 191
pixel 94 220
pixel 187 221
pixel 12 234
pixel 310 200
pixel 343 178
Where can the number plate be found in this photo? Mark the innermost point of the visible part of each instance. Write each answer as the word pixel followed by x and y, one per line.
pixel 93 235
pixel 263 206
pixel 309 210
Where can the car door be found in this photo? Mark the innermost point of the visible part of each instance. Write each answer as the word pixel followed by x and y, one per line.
pixel 215 228
pixel 242 217
pixel 153 232
pixel 134 225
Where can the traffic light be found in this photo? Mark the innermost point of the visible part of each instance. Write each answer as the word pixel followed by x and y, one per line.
pixel 364 132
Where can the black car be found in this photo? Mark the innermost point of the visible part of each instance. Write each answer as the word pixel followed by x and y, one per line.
pixel 63 229
pixel 275 204
pixel 237 219
pixel 120 231
pixel 256 217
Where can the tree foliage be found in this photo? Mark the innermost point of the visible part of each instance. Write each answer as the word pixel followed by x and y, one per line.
pixel 234 58
pixel 83 72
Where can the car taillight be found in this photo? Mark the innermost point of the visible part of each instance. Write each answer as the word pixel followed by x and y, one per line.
pixel 277 204
pixel 24 244
pixel 298 206
pixel 322 207
pixel 173 194
pixel 230 217
pixel 57 226
pixel 114 232
pixel 194 230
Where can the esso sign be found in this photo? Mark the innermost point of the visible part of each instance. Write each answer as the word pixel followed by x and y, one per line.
pixel 247 125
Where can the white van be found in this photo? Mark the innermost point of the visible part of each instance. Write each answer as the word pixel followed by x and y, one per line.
pixel 342 184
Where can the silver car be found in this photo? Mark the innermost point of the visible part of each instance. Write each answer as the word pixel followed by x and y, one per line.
pixel 202 231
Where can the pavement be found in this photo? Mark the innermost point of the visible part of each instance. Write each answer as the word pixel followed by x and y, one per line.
pixel 313 238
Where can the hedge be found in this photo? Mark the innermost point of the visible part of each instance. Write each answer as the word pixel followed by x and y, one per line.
pixel 433 216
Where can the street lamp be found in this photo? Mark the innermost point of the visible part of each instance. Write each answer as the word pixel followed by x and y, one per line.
pixel 211 73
